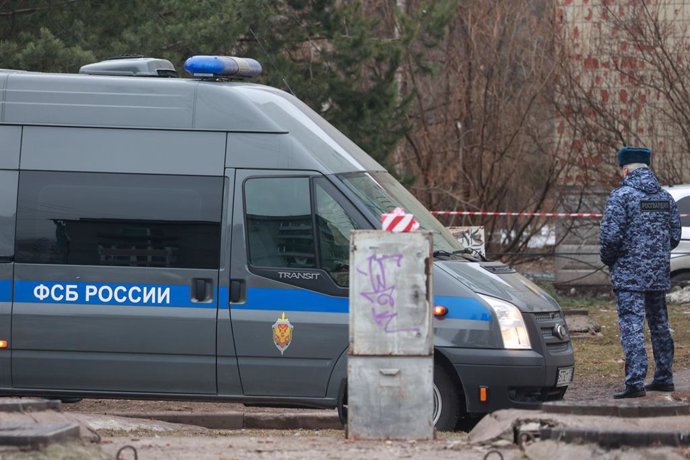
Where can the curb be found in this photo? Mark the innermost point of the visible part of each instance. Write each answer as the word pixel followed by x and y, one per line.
pixel 29 405
pixel 618 438
pixel 38 435
pixel 618 408
pixel 242 420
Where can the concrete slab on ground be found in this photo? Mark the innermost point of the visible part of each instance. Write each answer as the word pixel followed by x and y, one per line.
pixel 523 427
pixel 28 404
pixel 37 435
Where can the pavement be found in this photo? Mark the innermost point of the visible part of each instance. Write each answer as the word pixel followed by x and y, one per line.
pixel 654 404
pixel 289 419
pixel 659 419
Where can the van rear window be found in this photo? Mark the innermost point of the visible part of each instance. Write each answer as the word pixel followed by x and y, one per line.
pixel 684 208
pixel 135 220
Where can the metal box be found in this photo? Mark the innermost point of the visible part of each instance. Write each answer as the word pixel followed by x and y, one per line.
pixel 393 397
pixel 390 293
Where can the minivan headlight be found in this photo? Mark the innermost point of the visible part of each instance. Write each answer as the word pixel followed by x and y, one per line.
pixel 512 324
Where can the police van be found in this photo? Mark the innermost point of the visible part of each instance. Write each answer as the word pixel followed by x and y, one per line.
pixel 187 238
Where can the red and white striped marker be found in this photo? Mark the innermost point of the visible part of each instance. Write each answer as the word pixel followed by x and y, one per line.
pixel 397 221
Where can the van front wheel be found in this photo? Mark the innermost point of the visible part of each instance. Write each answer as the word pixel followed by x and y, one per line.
pixel 447 407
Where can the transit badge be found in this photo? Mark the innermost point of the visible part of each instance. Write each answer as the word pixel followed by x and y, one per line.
pixel 282 333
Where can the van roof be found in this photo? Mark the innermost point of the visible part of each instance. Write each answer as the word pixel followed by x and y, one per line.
pixel 78 100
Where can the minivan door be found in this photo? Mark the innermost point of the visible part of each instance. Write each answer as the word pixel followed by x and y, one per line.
pixel 116 281
pixel 8 203
pixel 289 280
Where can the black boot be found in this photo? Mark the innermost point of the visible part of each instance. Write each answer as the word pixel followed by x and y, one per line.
pixel 656 386
pixel 630 392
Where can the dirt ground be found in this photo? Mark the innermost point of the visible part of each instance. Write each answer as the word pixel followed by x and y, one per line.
pixel 302 445
pixel 203 444
pixel 318 445
pixel 274 445
pixel 112 406
pixel 578 391
pixel 599 373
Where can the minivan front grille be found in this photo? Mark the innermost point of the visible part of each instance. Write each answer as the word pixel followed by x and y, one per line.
pixel 553 330
pixel 548 316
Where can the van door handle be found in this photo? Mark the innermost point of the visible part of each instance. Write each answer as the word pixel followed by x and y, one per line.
pixel 238 291
pixel 202 289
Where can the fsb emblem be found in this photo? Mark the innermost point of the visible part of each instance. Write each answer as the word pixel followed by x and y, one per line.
pixel 282 333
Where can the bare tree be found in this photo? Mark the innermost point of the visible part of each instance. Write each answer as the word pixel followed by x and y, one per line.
pixel 622 80
pixel 483 134
pixel 627 82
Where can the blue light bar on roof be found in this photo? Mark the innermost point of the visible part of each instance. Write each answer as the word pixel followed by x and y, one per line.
pixel 222 66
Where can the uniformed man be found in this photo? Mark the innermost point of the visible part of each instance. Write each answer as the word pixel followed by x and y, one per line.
pixel 640 227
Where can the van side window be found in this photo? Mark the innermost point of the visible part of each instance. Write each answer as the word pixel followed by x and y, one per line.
pixel 8 204
pixel 684 208
pixel 283 224
pixel 134 220
pixel 333 228
pixel 279 222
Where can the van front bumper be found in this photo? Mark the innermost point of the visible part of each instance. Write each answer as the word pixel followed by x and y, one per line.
pixel 512 378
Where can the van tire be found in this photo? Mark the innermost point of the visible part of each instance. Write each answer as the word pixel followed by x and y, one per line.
pixel 342 404
pixel 445 391
pixel 447 403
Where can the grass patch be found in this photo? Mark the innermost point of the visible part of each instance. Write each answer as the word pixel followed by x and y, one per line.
pixel 576 301
pixel 600 359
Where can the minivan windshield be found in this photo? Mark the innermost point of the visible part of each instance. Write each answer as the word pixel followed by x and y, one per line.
pixel 381 193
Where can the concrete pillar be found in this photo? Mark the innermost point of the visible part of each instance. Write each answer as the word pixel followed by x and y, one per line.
pixel 390 359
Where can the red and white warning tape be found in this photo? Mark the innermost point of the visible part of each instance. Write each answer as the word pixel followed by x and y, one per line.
pixel 523 214
pixel 517 214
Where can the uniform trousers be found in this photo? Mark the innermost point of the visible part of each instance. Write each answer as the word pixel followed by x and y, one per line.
pixel 633 307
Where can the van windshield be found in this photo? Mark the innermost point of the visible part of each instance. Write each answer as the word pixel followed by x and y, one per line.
pixel 381 193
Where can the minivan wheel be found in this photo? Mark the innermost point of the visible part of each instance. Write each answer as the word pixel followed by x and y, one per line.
pixel 342 412
pixel 446 399
pixel 342 404
pixel 447 407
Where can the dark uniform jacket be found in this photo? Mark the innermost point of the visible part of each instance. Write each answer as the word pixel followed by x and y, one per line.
pixel 640 227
